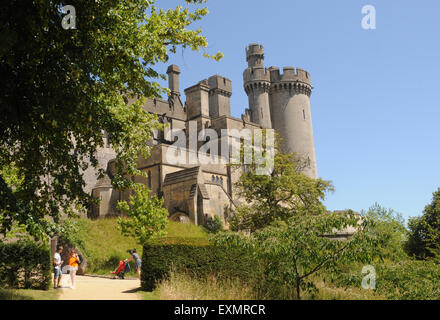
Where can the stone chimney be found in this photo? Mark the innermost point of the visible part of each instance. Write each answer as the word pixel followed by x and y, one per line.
pixel 173 79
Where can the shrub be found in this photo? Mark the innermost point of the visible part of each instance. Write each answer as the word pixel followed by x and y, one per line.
pixel 403 280
pixel 410 280
pixel 25 265
pixel 215 225
pixel 195 256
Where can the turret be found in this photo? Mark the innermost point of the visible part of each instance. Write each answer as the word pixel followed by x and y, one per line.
pixel 219 96
pixel 291 116
pixel 257 84
pixel 197 100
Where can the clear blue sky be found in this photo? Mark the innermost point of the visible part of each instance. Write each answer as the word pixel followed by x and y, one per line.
pixel 376 99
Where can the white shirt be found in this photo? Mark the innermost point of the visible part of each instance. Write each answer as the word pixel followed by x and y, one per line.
pixel 57 258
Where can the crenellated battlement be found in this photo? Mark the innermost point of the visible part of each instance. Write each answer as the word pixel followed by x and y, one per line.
pixel 256 74
pixel 221 85
pixel 290 74
pixel 254 48
pixel 255 55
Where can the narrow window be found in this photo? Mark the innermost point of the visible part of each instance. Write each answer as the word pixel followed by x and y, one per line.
pixel 149 180
pixel 304 114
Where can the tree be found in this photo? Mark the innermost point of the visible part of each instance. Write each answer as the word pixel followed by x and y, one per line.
pixel 289 229
pixel 284 193
pixel 62 88
pixel 424 235
pixel 391 226
pixel 145 216
pixel 294 250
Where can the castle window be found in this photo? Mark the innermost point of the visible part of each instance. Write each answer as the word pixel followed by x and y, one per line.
pixel 304 114
pixel 213 179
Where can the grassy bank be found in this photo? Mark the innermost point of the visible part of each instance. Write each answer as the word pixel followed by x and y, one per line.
pixel 104 245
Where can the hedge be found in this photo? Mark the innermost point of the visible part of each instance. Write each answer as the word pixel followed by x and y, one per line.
pixel 25 265
pixel 196 256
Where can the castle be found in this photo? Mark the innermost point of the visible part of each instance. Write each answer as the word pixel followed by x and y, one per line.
pixel 199 192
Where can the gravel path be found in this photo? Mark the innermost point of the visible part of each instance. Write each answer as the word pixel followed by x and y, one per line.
pixel 96 288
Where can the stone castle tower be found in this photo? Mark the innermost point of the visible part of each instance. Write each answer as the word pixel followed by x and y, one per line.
pixel 281 102
pixel 199 192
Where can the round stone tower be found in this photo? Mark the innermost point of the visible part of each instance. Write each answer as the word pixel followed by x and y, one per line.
pixel 291 116
pixel 257 84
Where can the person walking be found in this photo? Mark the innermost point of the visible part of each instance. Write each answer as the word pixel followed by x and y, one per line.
pixel 73 266
pixel 137 260
pixel 57 262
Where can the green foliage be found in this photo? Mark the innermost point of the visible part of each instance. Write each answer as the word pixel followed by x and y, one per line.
pixel 69 232
pixel 284 193
pixel 401 280
pixel 25 265
pixel 424 236
pixel 63 88
pixel 145 215
pixel 409 280
pixel 295 250
pixel 197 258
pixel 215 226
pixel 391 226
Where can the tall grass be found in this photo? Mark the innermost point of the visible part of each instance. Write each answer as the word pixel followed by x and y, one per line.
pixel 181 286
pixel 28 294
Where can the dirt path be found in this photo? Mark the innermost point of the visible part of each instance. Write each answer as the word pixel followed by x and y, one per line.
pixel 94 288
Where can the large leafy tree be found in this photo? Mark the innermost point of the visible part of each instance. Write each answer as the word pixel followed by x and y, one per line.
pixel 283 193
pixel 424 235
pixel 62 88
pixel 289 230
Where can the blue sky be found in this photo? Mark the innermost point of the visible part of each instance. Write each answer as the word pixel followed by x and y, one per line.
pixel 376 99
